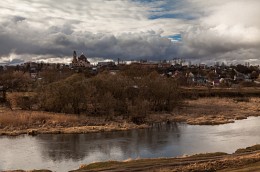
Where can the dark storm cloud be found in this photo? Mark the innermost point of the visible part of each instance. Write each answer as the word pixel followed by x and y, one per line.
pixel 131 29
pixel 128 45
pixel 63 40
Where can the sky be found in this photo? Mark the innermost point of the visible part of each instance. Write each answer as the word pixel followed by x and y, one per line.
pixel 201 31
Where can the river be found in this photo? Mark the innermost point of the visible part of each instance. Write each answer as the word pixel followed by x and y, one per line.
pixel 68 151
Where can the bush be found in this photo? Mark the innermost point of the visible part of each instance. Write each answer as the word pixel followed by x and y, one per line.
pixel 16 80
pixel 139 111
pixel 24 101
pixel 110 94
pixel 162 93
pixel 68 96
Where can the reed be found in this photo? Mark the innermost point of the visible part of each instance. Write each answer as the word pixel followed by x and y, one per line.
pixel 26 119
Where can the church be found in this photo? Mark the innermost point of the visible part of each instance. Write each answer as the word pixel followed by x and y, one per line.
pixel 80 61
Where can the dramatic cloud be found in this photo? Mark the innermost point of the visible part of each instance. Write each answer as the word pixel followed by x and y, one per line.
pixel 199 30
pixel 227 30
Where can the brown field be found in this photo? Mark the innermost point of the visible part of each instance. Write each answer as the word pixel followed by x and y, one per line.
pixel 246 168
pixel 212 111
pixel 203 111
pixel 34 122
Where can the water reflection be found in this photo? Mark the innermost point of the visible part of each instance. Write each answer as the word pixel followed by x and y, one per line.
pixel 120 145
pixel 66 152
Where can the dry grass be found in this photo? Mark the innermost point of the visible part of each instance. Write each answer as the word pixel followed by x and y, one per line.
pixel 249 149
pixel 215 165
pixel 202 162
pixel 208 154
pixel 99 165
pixel 28 171
pixel 34 122
pixel 33 118
pixel 212 111
pixel 204 111
pixel 247 168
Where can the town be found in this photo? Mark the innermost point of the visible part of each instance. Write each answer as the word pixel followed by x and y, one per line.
pixel 186 74
pixel 76 99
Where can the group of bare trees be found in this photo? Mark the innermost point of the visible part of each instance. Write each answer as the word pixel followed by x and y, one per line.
pixel 110 95
pixel 15 80
pixel 132 92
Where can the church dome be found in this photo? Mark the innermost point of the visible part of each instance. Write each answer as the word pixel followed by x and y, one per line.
pixel 82 57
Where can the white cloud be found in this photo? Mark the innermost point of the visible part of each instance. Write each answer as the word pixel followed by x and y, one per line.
pixel 227 30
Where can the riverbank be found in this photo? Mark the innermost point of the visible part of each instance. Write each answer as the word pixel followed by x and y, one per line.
pixel 211 111
pixel 243 159
pixel 202 111
pixel 19 122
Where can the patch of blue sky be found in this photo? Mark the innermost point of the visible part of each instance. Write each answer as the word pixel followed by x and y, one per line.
pixel 175 37
pixel 169 5
pixel 172 15
pixel 166 9
pixel 146 1
pixel 160 5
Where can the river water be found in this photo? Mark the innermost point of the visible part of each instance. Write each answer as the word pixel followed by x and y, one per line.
pixel 68 151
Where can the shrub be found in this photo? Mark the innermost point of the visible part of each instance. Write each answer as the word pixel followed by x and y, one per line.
pixel 109 95
pixel 21 100
pixel 68 96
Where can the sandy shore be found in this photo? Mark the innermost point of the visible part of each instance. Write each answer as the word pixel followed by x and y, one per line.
pixel 203 111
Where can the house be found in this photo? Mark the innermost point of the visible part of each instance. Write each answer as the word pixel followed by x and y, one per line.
pixel 108 65
pixel 190 78
pixel 164 65
pixel 216 82
pixel 240 76
pixel 200 80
